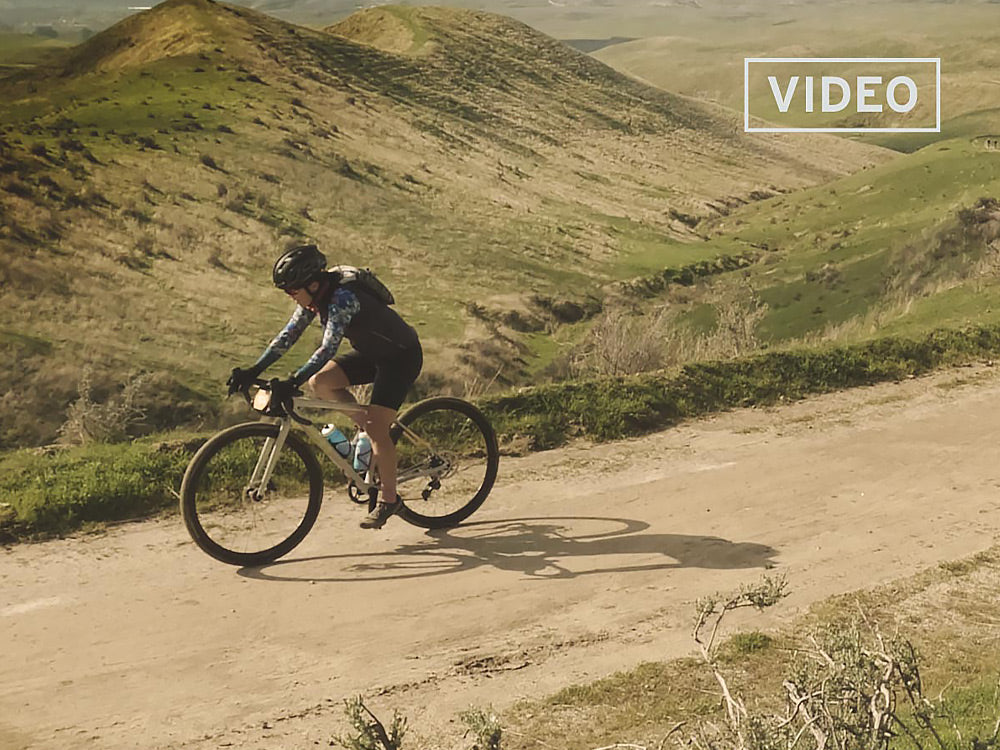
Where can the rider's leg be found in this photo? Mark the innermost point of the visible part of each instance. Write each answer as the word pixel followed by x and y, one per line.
pixel 331 383
pixel 389 388
pixel 380 419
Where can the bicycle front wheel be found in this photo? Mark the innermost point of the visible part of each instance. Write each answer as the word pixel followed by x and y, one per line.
pixel 447 461
pixel 234 516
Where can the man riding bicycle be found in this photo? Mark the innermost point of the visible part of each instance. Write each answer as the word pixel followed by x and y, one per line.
pixel 386 353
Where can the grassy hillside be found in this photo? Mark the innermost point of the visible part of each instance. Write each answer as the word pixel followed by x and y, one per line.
pixel 898 249
pixel 149 176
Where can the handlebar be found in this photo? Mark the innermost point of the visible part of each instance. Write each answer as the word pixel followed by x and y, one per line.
pixel 282 406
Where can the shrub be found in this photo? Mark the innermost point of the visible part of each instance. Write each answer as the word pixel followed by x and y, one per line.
pixel 850 687
pixel 623 344
pixel 89 421
pixel 369 733
pixel 484 726
pixel 71 144
pixel 14 187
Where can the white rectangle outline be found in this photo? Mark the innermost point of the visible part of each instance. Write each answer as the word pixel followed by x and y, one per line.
pixel 746 94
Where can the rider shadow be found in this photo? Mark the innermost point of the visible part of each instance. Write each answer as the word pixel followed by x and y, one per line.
pixel 550 547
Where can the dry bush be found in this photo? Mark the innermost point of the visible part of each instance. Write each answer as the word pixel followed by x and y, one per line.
pixel 851 687
pixel 476 385
pixel 737 314
pixel 108 421
pixel 623 344
pixel 187 238
pixel 945 256
pixel 484 727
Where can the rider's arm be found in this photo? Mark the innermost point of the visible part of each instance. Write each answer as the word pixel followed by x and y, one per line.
pixel 300 319
pixel 344 305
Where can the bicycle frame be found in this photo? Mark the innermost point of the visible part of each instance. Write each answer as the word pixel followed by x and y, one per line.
pixel 272 446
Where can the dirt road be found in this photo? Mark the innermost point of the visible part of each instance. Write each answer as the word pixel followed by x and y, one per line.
pixel 584 561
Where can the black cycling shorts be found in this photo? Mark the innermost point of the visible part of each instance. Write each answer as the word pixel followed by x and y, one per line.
pixel 390 379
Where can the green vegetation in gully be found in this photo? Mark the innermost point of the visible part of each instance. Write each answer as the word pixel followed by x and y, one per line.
pixel 886 240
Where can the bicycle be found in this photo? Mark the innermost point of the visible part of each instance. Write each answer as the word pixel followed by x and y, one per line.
pixel 253 491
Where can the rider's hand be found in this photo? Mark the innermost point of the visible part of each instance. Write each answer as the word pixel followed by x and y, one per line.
pixel 240 379
pixel 283 390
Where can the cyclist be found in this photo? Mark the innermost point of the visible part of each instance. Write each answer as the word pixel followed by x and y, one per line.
pixel 386 353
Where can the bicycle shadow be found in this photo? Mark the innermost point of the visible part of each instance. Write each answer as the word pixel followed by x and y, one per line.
pixel 544 547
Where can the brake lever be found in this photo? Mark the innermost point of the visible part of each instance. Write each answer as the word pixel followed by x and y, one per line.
pixel 291 413
pixel 288 406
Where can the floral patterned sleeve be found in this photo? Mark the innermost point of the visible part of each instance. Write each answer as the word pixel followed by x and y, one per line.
pixel 344 305
pixel 299 321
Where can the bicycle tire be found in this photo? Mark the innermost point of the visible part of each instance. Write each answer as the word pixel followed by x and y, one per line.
pixel 197 479
pixel 413 510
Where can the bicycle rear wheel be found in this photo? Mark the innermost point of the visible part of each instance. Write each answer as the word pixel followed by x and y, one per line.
pixel 447 461
pixel 234 519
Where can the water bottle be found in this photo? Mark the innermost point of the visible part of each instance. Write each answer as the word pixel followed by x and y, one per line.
pixel 337 439
pixel 362 453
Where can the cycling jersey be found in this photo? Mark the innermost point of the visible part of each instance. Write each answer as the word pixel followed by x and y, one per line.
pixel 373 328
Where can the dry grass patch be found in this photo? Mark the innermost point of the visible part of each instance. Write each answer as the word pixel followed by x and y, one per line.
pixel 950 613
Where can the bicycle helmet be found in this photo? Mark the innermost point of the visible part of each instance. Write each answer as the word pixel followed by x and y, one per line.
pixel 298 266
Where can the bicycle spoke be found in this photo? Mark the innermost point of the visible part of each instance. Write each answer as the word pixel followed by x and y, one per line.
pixel 446 461
pixel 232 514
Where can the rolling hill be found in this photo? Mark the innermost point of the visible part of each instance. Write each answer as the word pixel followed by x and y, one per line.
pixel 149 175
pixel 676 54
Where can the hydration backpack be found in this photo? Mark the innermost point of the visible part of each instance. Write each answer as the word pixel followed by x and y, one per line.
pixel 366 279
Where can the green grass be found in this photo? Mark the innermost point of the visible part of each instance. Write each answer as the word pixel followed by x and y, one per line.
pixel 23 50
pixel 614 408
pixel 831 248
pixel 144 102
pixel 62 491
pixel 420 33
pixel 738 646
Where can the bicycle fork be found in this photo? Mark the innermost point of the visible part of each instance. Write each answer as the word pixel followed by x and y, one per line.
pixel 266 462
